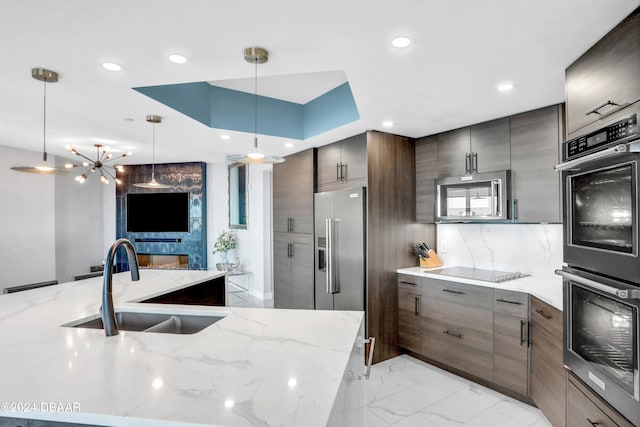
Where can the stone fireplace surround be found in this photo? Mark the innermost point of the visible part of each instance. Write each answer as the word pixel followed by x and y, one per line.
pixel 183 177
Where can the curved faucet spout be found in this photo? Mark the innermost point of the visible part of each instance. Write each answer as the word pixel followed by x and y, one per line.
pixel 108 311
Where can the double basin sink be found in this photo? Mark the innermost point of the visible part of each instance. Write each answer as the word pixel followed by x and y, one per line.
pixel 158 320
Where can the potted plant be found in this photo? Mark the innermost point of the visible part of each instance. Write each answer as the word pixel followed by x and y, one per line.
pixel 226 241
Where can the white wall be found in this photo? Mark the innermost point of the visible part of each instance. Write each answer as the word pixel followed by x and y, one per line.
pixel 534 249
pixel 79 212
pixel 254 243
pixel 27 221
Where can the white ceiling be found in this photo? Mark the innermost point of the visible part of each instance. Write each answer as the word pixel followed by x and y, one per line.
pixel 446 79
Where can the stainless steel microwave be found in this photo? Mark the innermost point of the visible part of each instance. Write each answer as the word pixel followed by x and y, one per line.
pixel 478 197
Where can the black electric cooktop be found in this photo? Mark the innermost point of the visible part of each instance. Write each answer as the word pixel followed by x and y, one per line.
pixel 478 274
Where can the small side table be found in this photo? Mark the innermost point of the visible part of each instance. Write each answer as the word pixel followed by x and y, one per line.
pixel 239 281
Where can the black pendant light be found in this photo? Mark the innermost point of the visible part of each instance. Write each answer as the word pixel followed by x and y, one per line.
pixel 45 76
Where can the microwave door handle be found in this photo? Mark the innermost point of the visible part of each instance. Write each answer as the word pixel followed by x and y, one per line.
pixel 620 293
pixel 495 204
pixel 576 163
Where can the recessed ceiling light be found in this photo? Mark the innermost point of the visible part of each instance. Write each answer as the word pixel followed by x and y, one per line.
pixel 128 119
pixel 225 137
pixel 288 144
pixel 387 123
pixel 401 42
pixel 505 87
pixel 112 66
pixel 177 58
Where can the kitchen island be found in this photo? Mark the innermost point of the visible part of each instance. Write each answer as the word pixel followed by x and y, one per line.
pixel 253 367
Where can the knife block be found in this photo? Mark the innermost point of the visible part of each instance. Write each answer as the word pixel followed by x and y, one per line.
pixel 433 260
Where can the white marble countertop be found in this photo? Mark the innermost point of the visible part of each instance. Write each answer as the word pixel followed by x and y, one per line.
pixel 547 289
pixel 254 367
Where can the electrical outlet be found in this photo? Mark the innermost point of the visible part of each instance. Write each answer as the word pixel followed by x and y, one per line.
pixel 444 247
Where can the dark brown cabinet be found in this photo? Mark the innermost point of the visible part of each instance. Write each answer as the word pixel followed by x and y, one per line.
pixel 457 326
pixel 511 340
pixel 293 261
pixel 585 408
pixel 605 78
pixel 293 272
pixel 480 148
pixel 535 185
pixel 409 304
pixel 293 186
pixel 548 378
pixel 426 175
pixel 343 162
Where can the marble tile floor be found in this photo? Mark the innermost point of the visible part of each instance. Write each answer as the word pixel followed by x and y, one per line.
pixel 406 392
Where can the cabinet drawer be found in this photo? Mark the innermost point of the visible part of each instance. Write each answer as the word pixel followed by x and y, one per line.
pixel 511 302
pixel 409 283
pixel 466 349
pixel 546 316
pixel 474 324
pixel 584 408
pixel 459 293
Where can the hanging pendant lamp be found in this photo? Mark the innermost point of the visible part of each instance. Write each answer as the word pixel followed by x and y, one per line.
pixel 46 76
pixel 153 183
pixel 255 55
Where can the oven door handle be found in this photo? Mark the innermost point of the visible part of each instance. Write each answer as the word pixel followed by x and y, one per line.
pixel 618 149
pixel 620 293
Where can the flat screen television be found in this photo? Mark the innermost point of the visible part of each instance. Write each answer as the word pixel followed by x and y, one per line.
pixel 157 212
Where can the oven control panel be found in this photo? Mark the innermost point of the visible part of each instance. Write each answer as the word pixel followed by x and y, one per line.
pixel 609 136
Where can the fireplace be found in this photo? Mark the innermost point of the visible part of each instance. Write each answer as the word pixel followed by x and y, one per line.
pixel 164 261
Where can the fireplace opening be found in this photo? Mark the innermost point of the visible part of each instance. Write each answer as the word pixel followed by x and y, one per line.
pixel 165 262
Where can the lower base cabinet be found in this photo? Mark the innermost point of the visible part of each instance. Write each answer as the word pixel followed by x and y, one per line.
pixel 293 271
pixel 548 377
pixel 511 353
pixel 585 408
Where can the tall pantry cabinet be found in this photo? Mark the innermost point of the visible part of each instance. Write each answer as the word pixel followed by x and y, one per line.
pixel 293 187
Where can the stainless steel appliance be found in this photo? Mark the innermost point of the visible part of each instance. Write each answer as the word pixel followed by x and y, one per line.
pixel 340 246
pixel 600 199
pixel 477 197
pixel 602 276
pixel 601 337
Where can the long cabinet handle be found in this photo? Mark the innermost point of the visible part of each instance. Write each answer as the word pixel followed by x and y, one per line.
pixel 338 172
pixel 417 306
pixel 597 109
pixel 467 163
pixel 543 314
pixel 474 163
pixel 402 282
pixel 509 302
pixel 523 324
pixel 453 334
pixel 451 291
pixel 343 171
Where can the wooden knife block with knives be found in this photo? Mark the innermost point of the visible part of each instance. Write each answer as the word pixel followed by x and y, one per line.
pixel 433 260
pixel 428 257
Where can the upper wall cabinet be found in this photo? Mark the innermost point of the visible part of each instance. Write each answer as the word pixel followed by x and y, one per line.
pixel 479 148
pixel 293 186
pixel 535 185
pixel 342 162
pixel 605 78
pixel 526 143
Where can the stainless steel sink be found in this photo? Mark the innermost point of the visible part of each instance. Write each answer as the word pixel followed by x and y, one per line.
pixel 168 323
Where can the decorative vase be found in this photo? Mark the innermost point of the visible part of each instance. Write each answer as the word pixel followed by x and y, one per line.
pixel 223 265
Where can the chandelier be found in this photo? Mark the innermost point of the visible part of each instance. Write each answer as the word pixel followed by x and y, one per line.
pixel 255 55
pixel 107 171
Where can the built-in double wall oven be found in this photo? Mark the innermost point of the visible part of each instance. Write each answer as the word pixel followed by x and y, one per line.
pixel 602 273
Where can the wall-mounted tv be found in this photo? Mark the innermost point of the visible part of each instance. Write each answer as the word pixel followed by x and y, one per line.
pixel 157 212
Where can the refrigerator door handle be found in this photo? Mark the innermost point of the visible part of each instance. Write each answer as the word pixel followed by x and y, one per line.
pixel 329 255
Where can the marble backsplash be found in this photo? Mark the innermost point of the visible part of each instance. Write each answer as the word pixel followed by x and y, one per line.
pixel 534 249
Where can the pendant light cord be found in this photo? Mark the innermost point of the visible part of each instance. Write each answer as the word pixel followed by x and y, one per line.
pixel 255 109
pixel 153 154
pixel 44 120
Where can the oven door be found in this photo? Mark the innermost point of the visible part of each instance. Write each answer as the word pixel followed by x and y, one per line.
pixel 601 217
pixel 601 337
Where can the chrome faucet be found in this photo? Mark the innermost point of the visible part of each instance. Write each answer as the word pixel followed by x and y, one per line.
pixel 107 310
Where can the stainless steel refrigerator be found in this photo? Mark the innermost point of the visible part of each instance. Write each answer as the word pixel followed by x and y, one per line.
pixel 340 247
